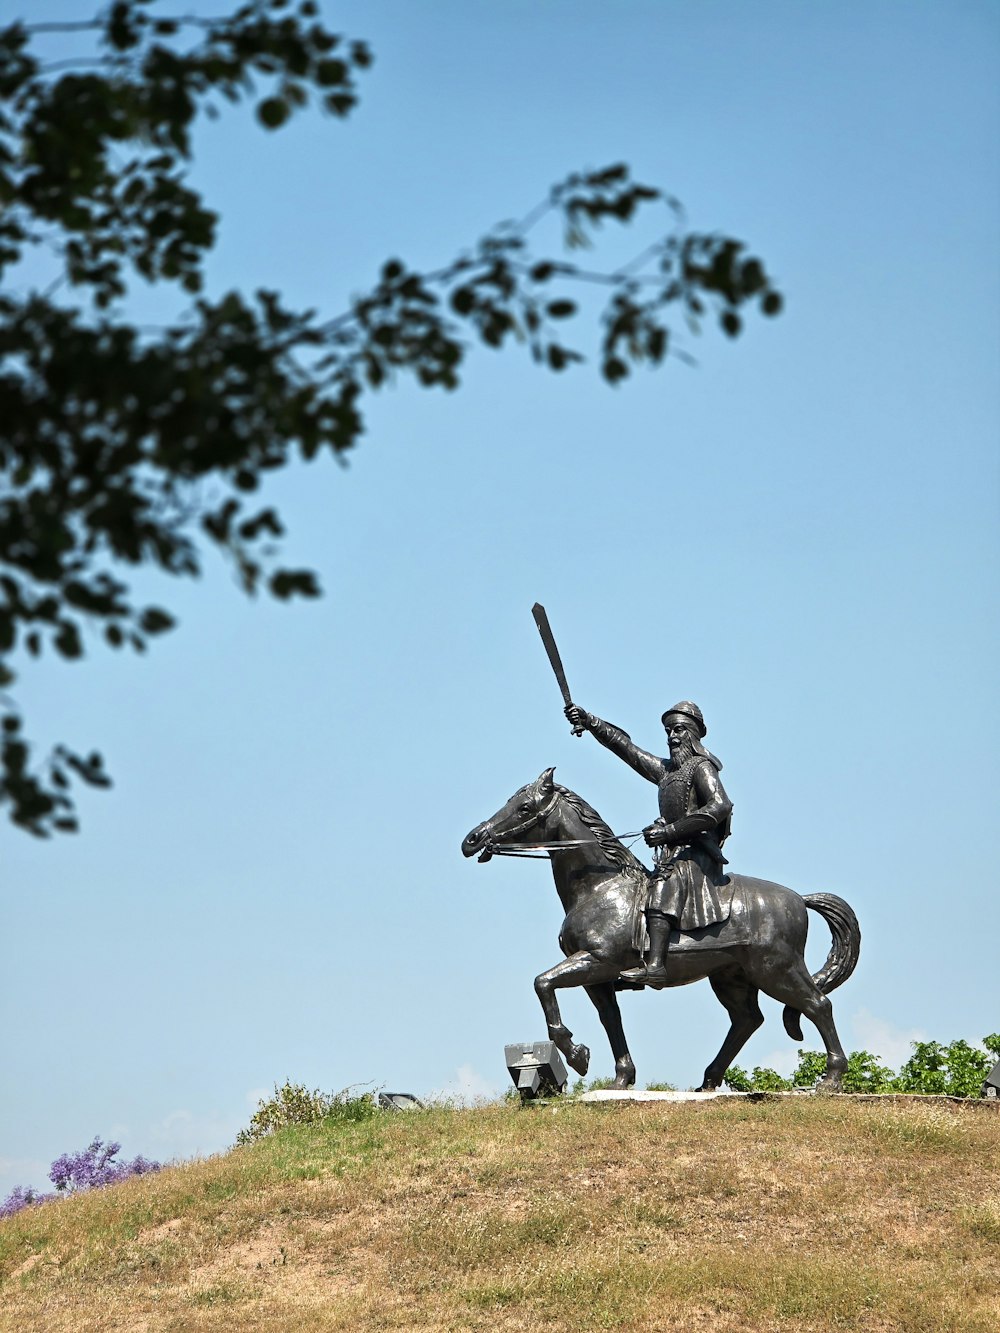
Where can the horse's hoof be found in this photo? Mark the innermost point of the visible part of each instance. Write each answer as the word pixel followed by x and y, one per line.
pixel 827 1087
pixel 579 1059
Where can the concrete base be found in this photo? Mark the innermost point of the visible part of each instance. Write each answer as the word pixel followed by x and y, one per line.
pixel 642 1095
pixel 898 1098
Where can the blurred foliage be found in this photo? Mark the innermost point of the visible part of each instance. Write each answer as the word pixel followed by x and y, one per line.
pixel 294 1104
pixel 955 1070
pixel 124 446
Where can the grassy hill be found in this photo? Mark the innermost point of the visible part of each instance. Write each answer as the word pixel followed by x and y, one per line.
pixel 809 1213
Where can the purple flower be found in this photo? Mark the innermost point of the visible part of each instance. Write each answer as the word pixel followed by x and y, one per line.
pixel 21 1197
pixel 74 1172
pixel 95 1167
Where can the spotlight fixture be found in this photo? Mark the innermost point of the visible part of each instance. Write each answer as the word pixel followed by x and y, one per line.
pixel 537 1068
pixel 398 1101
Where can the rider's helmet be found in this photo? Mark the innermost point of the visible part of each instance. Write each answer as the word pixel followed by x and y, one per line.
pixel 687 709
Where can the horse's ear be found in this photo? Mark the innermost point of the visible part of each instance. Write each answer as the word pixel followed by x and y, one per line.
pixel 545 783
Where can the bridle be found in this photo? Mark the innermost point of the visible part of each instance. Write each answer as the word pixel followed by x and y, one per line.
pixel 491 848
pixel 540 850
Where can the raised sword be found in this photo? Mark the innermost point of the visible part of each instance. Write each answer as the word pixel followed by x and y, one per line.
pixel 555 661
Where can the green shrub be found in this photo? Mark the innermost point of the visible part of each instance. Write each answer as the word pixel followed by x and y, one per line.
pixel 294 1104
pixel 867 1073
pixel 761 1080
pixel 595 1085
pixel 955 1070
pixel 738 1079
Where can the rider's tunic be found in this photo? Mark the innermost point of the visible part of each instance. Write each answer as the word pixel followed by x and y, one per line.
pixel 689 883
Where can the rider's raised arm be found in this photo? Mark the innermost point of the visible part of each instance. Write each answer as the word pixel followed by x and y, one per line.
pixel 619 742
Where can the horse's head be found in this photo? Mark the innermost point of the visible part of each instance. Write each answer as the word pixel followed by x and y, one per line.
pixel 521 820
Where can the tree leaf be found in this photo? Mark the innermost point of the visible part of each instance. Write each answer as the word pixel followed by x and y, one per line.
pixel 156 621
pixel 273 112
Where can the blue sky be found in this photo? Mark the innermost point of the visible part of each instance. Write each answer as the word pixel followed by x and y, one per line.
pixel 801 533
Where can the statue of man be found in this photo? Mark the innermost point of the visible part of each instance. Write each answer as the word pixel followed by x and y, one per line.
pixel 689 887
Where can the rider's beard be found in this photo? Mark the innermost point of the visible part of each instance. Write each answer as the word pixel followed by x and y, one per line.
pixel 682 752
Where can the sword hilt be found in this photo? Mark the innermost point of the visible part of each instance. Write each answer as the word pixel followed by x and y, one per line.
pixel 577 728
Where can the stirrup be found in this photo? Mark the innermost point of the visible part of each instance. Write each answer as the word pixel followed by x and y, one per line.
pixel 634 973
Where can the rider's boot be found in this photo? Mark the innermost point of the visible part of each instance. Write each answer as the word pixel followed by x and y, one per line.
pixel 658 926
pixel 653 969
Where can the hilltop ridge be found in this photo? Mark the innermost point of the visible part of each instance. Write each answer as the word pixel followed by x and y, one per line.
pixel 805 1213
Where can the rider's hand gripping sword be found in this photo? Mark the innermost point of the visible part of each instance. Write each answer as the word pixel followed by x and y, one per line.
pixel 555 661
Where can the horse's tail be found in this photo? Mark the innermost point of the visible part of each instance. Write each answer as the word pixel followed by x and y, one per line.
pixel 842 958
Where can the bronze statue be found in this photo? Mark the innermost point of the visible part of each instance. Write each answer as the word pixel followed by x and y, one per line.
pixel 603 886
pixel 688 919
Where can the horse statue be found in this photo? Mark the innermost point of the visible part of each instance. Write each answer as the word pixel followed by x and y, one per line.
pixel 601 884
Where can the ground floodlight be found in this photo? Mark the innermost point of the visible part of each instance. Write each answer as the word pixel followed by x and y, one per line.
pixel 991 1088
pixel 398 1101
pixel 537 1068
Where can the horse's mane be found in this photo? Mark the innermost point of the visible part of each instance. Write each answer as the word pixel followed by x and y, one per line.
pixel 606 840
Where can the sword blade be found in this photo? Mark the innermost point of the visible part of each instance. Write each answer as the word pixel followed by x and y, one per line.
pixel 555 661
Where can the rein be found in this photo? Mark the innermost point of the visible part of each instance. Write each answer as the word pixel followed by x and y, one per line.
pixel 542 849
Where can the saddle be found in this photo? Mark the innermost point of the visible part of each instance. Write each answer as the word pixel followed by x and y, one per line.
pixel 735 929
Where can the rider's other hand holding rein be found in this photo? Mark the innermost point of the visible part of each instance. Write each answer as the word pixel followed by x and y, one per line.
pixel 657 834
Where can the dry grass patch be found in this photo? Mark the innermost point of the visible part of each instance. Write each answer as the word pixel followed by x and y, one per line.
pixel 813 1214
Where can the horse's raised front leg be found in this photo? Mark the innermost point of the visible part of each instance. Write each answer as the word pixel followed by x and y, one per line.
pixel 606 1003
pixel 579 969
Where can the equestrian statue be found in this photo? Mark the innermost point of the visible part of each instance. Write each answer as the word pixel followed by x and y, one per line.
pixel 627 927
